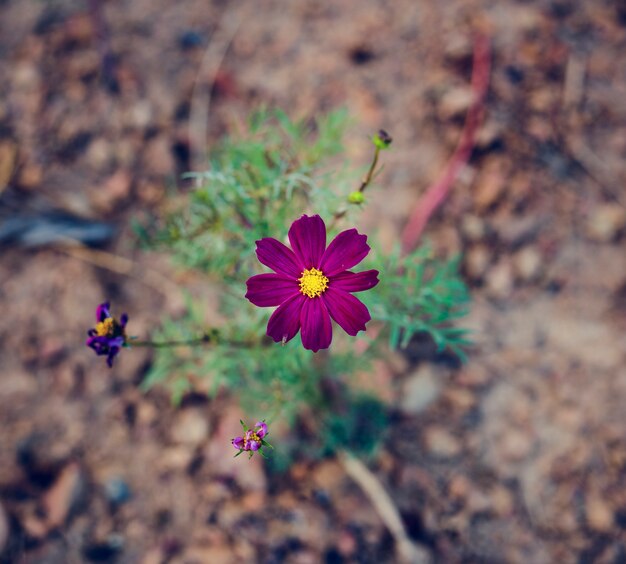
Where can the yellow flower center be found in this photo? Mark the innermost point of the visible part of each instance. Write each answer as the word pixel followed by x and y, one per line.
pixel 313 283
pixel 250 438
pixel 106 328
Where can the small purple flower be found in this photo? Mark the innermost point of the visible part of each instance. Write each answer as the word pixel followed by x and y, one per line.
pixel 312 283
pixel 109 334
pixel 253 440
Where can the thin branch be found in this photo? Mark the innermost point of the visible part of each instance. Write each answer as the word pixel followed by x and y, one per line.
pixel 122 265
pixel 436 194
pixel 407 550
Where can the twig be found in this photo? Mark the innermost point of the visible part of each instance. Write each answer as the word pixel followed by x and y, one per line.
pixel 122 265
pixel 437 192
pixel 201 95
pixel 407 550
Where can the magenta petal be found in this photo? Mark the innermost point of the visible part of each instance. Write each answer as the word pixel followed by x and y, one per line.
pixel 267 290
pixel 278 257
pixel 349 312
pixel 345 251
pixel 238 442
pixel 254 445
pixel 261 429
pixel 102 311
pixel 317 330
pixel 285 321
pixel 355 281
pixel 307 236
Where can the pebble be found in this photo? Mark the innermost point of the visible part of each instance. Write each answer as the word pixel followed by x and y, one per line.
pixel 605 222
pixel 477 261
pixel 99 154
pixel 489 187
pixel 473 228
pixel 114 190
pixel 499 279
pixel 441 443
pixel 527 264
pixel 421 389
pixel 65 495
pixel 455 102
pixel 158 158
pixel 117 491
pixel 30 176
pixel 190 427
pixel 8 156
pixel 598 514
pixel 516 445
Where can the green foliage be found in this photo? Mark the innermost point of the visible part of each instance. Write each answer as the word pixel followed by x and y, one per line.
pixel 420 293
pixel 255 187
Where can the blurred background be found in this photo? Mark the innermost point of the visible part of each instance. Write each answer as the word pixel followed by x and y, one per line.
pixel 517 456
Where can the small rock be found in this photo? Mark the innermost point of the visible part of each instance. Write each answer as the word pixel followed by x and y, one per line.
pixel 488 134
pixel 65 495
pixel 473 228
pixel 421 389
pixel 117 491
pixel 191 427
pixel 502 501
pixel 458 47
pixel 477 261
pixel 489 187
pixel 99 154
pixel 461 399
pixel 605 222
pixel 598 513
pixel 516 445
pixel 26 77
pixel 455 102
pixel 202 554
pixel 30 176
pixel 527 264
pixel 499 280
pixel 175 458
pixel 441 443
pixel 150 192
pixel 115 189
pixel 459 487
pixel 158 158
pixel 140 114
pixel 8 156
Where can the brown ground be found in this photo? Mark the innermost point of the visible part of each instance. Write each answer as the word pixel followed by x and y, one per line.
pixel 520 456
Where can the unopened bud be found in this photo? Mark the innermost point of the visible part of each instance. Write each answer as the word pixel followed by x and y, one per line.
pixel 356 197
pixel 382 139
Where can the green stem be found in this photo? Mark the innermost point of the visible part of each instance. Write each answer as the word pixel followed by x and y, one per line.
pixel 370 173
pixel 206 339
pixel 367 179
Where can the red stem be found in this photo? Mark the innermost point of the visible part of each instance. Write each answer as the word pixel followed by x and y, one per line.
pixel 437 192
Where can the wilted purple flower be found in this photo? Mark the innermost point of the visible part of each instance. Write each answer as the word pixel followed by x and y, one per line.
pixel 252 439
pixel 109 334
pixel 312 283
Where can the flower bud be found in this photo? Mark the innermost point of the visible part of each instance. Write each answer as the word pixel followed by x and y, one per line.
pixel 356 197
pixel 382 139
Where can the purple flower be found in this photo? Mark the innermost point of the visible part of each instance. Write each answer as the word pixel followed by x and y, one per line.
pixel 312 283
pixel 109 334
pixel 252 439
